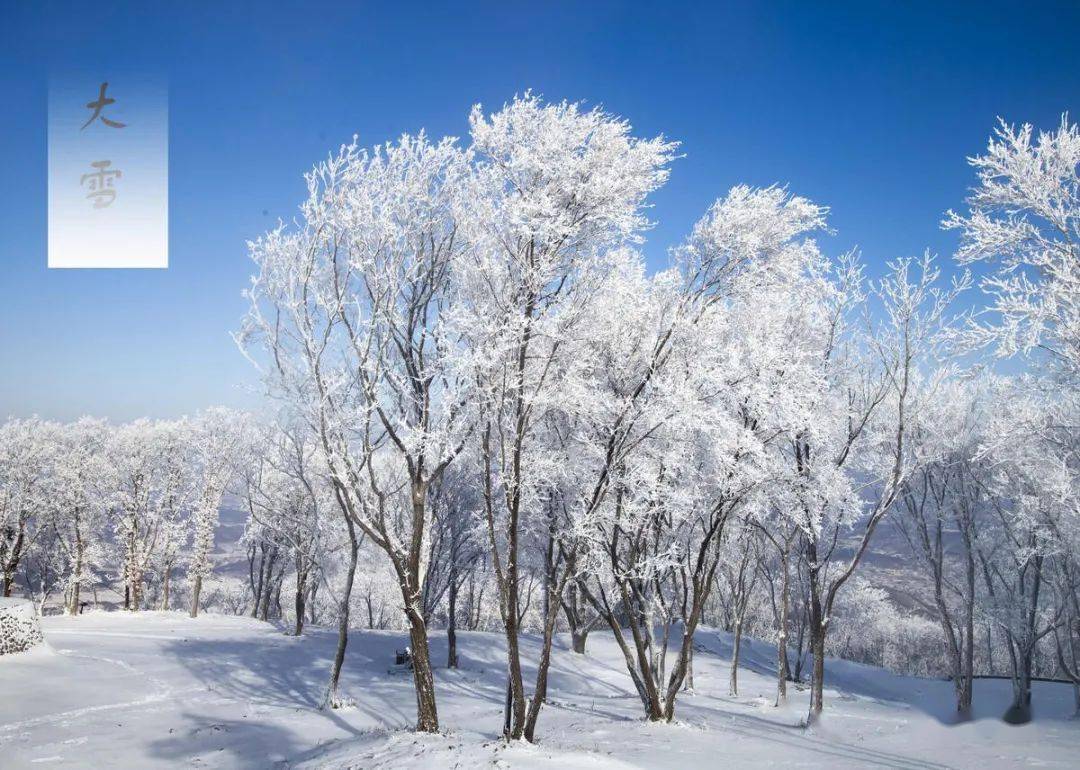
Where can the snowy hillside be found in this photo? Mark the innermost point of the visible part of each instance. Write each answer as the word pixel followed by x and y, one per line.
pixel 161 690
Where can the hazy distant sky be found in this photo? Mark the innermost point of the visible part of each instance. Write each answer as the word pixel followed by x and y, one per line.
pixel 870 109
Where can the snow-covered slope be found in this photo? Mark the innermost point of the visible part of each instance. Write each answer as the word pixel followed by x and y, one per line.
pixel 161 690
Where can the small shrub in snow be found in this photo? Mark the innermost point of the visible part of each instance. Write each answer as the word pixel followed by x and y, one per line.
pixel 19 628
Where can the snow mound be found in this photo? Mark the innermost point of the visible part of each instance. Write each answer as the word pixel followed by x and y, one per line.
pixel 19 627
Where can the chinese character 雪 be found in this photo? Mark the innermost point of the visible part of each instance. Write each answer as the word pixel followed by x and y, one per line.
pixel 101 183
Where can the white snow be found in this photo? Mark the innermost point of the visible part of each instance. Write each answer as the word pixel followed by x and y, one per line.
pixel 121 690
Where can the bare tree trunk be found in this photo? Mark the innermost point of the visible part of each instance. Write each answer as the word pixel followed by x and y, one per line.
pixel 165 581
pixel 552 592
pixel 818 651
pixel 1022 648
pixel 73 609
pixel 301 597
pixel 196 593
pixel 968 666
pixel 332 698
pixel 313 596
pixel 268 587
pixel 257 587
pixel 514 712
pixel 782 672
pixel 645 667
pixel 733 683
pixel 11 566
pixel 277 592
pixel 131 576
pixel 579 637
pixel 574 609
pixel 1020 711
pixel 136 589
pixel 410 581
pixel 514 718
pixel 451 619
pixel 643 683
pixel 800 645
pixel 427 716
pixel 817 676
pixel 472 602
pixel 817 632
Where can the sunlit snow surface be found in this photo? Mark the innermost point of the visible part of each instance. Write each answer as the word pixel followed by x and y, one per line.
pixel 115 690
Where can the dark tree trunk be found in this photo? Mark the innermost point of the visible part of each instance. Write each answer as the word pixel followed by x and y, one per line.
pixel 817 676
pixel 514 718
pixel 551 606
pixel 782 671
pixel 258 586
pixel 451 619
pixel 301 597
pixel 11 566
pixel 268 587
pixel 427 716
pixel 332 698
pixel 967 673
pixel 578 639
pixel 77 585
pixel 574 609
pixel 800 646
pixel 817 632
pixel 1022 649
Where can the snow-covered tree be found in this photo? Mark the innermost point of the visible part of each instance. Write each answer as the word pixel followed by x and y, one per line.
pixel 1033 496
pixel 739 575
pixel 1024 219
pixel 287 503
pixel 146 506
pixel 350 311
pixel 940 513
pixel 216 438
pixel 699 380
pixel 854 462
pixel 559 188
pixel 79 485
pixel 457 543
pixel 25 448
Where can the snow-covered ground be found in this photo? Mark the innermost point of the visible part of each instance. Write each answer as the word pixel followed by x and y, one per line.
pixel 160 690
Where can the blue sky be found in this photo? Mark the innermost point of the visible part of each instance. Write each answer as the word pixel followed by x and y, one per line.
pixel 869 108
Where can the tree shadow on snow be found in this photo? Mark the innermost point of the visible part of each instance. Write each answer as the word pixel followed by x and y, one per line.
pixel 247 742
pixel 848 681
pixel 798 739
pixel 270 673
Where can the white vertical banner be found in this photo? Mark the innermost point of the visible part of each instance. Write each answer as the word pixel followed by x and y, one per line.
pixel 108 172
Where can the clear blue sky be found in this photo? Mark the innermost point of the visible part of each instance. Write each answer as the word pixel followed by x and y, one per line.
pixel 870 109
